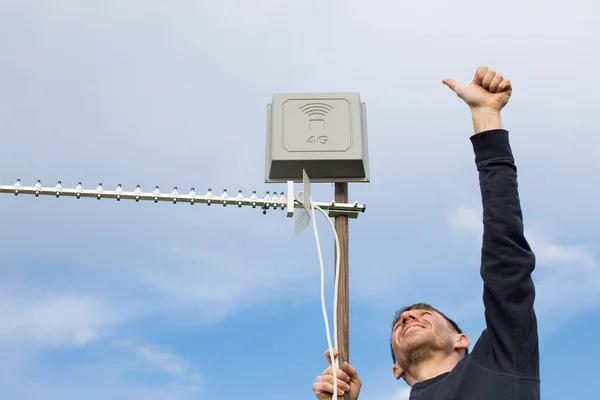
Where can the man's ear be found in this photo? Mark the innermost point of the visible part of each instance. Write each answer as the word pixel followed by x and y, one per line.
pixel 397 371
pixel 461 342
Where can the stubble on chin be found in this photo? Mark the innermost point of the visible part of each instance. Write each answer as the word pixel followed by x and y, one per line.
pixel 421 348
pixel 418 349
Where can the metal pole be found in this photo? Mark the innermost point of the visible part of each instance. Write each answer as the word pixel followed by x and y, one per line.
pixel 341 226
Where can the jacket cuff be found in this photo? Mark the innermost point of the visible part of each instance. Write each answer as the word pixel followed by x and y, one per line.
pixel 491 144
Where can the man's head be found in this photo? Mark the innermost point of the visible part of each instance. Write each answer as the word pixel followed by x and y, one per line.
pixel 420 333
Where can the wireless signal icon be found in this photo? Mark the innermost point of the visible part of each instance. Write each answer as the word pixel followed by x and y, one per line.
pixel 314 109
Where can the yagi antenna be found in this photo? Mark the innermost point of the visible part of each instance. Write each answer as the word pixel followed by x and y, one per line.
pixel 270 201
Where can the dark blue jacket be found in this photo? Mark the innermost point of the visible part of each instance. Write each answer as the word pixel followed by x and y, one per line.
pixel 504 363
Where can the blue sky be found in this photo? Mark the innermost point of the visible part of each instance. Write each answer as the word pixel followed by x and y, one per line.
pixel 107 300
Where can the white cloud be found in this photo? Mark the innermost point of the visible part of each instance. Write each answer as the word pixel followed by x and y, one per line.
pixel 56 319
pixel 567 277
pixel 162 360
pixel 126 369
pixel 552 253
pixel 119 376
pixel 466 218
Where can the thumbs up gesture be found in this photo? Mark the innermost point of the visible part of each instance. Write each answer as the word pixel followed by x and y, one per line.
pixel 488 90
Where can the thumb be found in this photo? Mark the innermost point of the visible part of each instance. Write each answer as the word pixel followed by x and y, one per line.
pixel 327 355
pixel 451 83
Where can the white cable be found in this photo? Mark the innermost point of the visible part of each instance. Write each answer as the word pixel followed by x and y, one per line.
pixel 334 361
pixel 337 275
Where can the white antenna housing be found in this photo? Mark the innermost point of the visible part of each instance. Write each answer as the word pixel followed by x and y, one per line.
pixel 324 134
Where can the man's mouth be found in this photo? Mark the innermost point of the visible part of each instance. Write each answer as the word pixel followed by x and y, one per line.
pixel 411 327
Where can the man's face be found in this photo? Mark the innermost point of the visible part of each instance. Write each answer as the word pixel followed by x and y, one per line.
pixel 417 334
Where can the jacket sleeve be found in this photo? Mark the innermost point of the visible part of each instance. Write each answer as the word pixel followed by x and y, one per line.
pixel 510 342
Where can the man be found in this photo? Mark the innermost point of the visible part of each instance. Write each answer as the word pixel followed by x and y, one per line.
pixel 428 349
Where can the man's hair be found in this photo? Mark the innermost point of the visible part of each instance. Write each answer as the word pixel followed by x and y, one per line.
pixel 422 306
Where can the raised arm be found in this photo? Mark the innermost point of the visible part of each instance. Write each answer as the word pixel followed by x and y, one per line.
pixel 506 262
pixel 510 343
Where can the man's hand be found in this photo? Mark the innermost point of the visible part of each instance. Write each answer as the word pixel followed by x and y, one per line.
pixel 347 381
pixel 488 90
pixel 486 95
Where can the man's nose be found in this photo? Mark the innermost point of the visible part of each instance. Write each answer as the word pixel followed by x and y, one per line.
pixel 408 316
